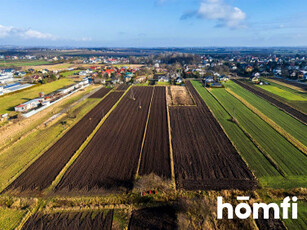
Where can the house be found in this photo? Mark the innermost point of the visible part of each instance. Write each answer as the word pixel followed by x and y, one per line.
pixel 249 68
pixel 223 78
pixel 179 80
pixel 29 105
pixel 163 79
pixel 6 77
pixel 36 78
pixel 209 79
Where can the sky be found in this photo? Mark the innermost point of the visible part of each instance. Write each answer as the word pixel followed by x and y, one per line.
pixel 153 23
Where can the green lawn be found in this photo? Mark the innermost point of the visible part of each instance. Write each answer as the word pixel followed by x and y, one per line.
pixel 10 218
pixel 18 63
pixel 290 160
pixel 8 102
pixel 291 90
pixel 14 159
pixel 162 83
pixel 301 222
pixel 69 73
pixel 286 97
pixel 282 92
pixel 285 121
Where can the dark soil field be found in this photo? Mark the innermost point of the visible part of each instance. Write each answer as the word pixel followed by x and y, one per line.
pixel 109 161
pixel 70 220
pixel 269 224
pixel 154 218
pixel 156 155
pixel 44 170
pixel 100 93
pixel 262 93
pixel 204 158
pixel 122 87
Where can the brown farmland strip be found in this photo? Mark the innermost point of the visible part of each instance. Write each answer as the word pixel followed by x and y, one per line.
pixel 100 93
pixel 70 220
pixel 259 92
pixel 154 218
pixel 204 156
pixel 122 87
pixel 44 170
pixel 110 160
pixel 155 154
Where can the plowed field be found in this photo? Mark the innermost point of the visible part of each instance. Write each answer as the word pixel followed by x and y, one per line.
pixel 110 160
pixel 204 158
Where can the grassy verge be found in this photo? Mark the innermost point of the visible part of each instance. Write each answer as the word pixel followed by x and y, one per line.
pixel 291 88
pixel 8 102
pixel 10 218
pixel 141 84
pixel 289 159
pixel 297 104
pixel 284 92
pixel 162 83
pixel 38 120
pixel 301 221
pixel 69 73
pixel 22 63
pixel 14 160
pixel 282 119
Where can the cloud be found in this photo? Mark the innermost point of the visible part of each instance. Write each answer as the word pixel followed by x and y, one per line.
pixel 13 32
pixel 221 12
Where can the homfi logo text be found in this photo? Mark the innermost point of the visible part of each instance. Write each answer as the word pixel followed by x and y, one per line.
pixel 244 210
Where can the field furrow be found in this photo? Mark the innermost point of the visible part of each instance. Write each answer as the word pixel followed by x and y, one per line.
pixel 204 157
pixel 44 170
pixel 155 154
pixel 109 161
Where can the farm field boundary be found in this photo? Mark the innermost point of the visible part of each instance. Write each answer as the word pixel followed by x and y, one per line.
pixel 96 170
pixel 288 109
pixel 85 143
pixel 194 160
pixel 287 122
pixel 296 84
pixel 14 161
pixel 248 149
pixel 290 138
pixel 286 85
pixel 155 152
pixel 144 136
pixel 289 159
pixel 31 179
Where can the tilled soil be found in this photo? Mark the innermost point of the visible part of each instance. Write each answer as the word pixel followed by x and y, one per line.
pixel 122 87
pixel 100 93
pixel 204 158
pixel 156 154
pixel 44 170
pixel 110 160
pixel 261 93
pixel 154 218
pixel 70 220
